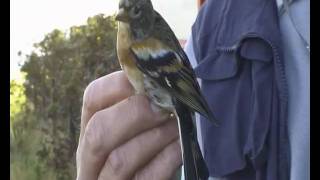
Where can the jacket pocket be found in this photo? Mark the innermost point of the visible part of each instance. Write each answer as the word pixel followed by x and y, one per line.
pixel 218 66
pixel 224 62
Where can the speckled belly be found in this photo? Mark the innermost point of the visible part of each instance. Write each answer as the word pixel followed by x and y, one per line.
pixel 157 94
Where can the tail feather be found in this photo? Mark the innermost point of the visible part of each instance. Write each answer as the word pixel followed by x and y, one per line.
pixel 194 165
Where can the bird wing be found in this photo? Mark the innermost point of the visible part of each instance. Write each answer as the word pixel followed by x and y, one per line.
pixel 166 66
pixel 164 33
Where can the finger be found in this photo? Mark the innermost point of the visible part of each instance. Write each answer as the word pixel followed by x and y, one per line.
pixel 102 93
pixel 164 165
pixel 124 161
pixel 111 127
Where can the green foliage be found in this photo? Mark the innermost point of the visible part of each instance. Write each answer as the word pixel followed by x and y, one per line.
pixel 17 98
pixel 46 109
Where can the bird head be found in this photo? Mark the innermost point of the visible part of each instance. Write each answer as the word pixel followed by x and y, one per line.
pixel 140 16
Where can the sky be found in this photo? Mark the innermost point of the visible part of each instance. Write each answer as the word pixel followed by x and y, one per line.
pixel 30 20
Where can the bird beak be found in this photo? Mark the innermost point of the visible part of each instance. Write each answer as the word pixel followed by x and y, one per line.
pixel 122 15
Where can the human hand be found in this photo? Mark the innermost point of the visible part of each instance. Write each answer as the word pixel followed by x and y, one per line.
pixel 123 138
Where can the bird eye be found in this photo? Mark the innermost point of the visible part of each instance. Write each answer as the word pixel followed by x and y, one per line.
pixel 136 12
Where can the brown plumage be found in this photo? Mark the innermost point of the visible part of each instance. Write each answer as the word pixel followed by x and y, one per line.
pixel 156 65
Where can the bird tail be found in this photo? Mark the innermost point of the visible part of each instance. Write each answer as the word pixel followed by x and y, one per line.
pixel 194 165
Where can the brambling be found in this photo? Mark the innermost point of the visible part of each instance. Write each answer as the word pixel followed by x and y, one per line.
pixel 156 65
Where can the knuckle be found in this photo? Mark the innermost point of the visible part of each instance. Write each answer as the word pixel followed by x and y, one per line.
pixel 88 101
pixel 116 162
pixel 93 134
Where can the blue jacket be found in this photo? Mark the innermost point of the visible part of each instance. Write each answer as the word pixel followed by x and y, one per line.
pixel 297 64
pixel 238 48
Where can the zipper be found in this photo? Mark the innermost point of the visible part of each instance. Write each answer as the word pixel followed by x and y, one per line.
pixel 227 50
pixel 284 157
pixel 235 47
pixel 284 142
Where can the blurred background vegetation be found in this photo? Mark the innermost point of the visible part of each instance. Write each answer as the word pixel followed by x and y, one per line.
pixel 45 105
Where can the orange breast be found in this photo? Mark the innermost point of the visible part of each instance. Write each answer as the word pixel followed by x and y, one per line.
pixel 124 42
pixel 126 58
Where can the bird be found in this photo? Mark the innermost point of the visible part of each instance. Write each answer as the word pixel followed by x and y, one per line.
pixel 156 66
